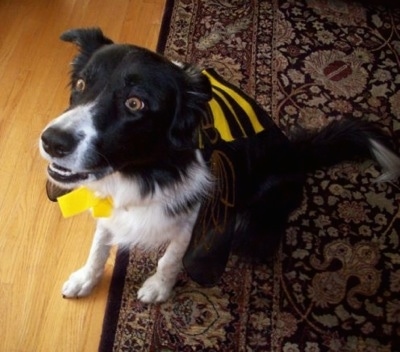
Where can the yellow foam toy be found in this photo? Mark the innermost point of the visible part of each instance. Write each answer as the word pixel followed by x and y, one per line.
pixel 83 199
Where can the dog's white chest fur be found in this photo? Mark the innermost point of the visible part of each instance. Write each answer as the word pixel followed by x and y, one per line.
pixel 146 226
pixel 143 221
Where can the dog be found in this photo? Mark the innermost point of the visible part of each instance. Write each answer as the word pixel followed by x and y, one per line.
pixel 165 153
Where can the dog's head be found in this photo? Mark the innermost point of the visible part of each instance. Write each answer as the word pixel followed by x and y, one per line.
pixel 129 107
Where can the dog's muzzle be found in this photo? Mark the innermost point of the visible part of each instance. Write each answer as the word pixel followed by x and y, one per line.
pixel 57 144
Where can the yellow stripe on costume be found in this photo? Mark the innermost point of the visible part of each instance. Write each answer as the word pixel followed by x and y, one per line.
pixel 220 122
pixel 240 100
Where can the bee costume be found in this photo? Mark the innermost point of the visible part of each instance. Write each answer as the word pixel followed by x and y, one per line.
pixel 232 117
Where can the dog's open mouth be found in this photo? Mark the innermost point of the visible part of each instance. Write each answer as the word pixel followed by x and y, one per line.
pixel 61 174
pixel 66 176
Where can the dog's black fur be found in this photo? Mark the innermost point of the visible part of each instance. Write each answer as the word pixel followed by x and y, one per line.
pixel 155 143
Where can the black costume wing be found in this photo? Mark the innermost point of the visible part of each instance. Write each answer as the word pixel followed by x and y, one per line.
pixel 208 251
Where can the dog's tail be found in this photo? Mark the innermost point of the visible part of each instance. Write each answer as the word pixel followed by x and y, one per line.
pixel 347 139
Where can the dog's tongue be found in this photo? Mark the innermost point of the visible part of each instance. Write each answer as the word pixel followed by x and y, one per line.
pixel 53 191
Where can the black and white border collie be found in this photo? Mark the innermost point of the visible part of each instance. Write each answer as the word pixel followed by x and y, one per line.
pixel 138 131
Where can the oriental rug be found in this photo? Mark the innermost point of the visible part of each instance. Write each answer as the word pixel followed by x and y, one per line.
pixel 334 284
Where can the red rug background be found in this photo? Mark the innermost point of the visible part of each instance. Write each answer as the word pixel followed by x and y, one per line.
pixel 334 285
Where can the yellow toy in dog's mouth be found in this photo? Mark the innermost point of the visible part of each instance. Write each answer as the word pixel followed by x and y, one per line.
pixel 83 199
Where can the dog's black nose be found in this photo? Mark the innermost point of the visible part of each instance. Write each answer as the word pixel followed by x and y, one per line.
pixel 58 143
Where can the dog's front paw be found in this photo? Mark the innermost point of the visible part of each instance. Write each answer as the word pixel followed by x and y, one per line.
pixel 155 289
pixel 80 283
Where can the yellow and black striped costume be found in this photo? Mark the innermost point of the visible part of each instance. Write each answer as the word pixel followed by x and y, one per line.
pixel 232 113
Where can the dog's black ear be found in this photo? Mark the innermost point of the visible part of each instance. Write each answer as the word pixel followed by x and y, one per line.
pixel 88 40
pixel 191 106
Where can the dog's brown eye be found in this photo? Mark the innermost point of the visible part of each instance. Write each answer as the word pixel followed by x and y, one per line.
pixel 80 85
pixel 134 104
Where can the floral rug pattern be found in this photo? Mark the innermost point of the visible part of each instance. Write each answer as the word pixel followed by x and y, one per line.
pixel 334 285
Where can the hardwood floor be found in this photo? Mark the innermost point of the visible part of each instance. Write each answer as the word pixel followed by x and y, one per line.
pixel 38 248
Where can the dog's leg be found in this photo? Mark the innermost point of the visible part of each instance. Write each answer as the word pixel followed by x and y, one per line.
pixel 158 287
pixel 82 281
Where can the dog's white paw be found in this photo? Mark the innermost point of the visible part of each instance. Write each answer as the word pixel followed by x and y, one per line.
pixel 155 289
pixel 80 283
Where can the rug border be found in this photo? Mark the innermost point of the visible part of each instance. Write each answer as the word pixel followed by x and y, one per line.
pixel 114 299
pixel 165 26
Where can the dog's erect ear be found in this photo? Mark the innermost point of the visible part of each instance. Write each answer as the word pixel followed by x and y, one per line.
pixel 88 40
pixel 190 107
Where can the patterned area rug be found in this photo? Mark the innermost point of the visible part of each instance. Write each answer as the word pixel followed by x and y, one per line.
pixel 334 285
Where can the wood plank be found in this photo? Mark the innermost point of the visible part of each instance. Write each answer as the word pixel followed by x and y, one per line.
pixel 38 248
